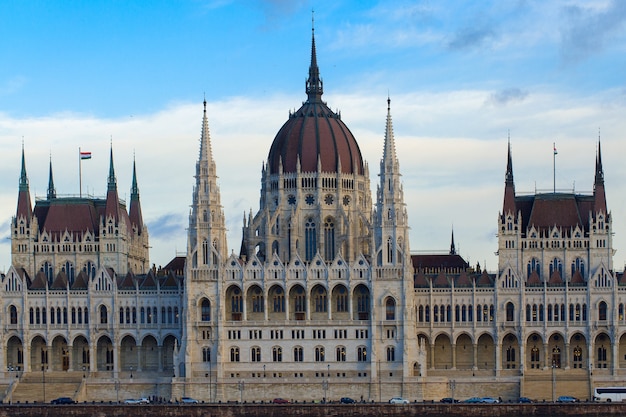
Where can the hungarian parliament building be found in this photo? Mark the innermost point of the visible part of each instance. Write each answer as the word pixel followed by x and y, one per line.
pixel 324 299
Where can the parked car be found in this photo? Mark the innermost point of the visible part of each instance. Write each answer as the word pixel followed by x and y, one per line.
pixel 566 399
pixel 473 400
pixel 398 400
pixel 131 401
pixel 62 400
pixel 448 400
pixel 188 400
pixel 524 400
pixel 143 400
pixel 489 400
pixel 280 401
pixel 346 400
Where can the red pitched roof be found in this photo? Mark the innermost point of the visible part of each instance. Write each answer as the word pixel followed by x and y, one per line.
pixel 533 279
pixel 555 278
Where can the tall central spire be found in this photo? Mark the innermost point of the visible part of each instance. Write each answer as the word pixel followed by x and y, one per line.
pixel 314 84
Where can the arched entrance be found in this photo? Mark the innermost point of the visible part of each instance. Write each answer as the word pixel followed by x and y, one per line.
pixel 80 354
pixel 167 353
pixel 486 352
pixel 556 349
pixel 128 353
pixel 60 360
pixel 38 354
pixel 149 354
pixel 579 356
pixel 464 352
pixel 534 352
pixel 15 354
pixel 443 352
pixel 104 354
pixel 510 352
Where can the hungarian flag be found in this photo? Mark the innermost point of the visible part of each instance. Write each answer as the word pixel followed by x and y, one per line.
pixel 85 155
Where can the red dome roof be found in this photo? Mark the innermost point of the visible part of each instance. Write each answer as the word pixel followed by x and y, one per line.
pixel 313 133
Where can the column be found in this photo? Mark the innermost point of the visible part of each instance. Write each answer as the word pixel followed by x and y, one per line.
pixel 546 354
pixel 454 356
pixel 432 356
pixel 475 348
pixel 565 361
pixel 498 358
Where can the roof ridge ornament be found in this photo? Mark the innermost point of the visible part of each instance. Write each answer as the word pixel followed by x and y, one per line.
pixel 314 84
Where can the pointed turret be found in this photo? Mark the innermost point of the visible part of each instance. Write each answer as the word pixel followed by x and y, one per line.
pixel 314 84
pixel 452 247
pixel 598 185
pixel 112 204
pixel 509 185
pixel 136 218
pixel 51 191
pixel 24 206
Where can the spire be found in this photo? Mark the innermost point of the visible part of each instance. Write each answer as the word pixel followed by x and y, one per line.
pixel 24 206
pixel 51 191
pixel 452 247
pixel 509 184
pixel 112 183
pixel 598 186
pixel 314 84
pixel 112 201
pixel 206 152
pixel 135 215
pixel 389 153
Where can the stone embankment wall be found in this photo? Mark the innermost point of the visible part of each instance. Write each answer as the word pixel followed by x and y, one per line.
pixel 317 410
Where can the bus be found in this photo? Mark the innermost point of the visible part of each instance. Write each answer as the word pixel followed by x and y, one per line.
pixel 609 394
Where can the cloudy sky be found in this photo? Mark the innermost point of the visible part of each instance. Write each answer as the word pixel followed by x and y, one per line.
pixel 462 77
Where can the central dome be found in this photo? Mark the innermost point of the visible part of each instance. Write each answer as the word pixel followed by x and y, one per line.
pixel 314 135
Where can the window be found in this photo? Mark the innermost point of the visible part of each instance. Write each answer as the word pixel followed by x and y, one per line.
pixel 361 354
pixel 320 300
pixel 342 300
pixel 319 354
pixel 341 354
pixel 329 239
pixel 103 314
pixel 391 354
pixel 205 310
pixel 234 354
pixel 510 357
pixel 390 309
pixel 206 354
pixel 510 311
pixel 602 311
pixel 277 354
pixel 278 301
pixel 256 354
pixel 310 238
pixel 534 358
pixel 298 354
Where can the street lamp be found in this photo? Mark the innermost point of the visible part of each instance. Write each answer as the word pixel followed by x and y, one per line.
pixel 83 371
pixel 452 388
pixel 553 381
pixel 328 378
pixel 131 372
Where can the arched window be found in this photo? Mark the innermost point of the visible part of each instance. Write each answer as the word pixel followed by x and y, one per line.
pixel 90 269
pixel 533 266
pixel 48 269
pixel 142 315
pixel 435 313
pixel 510 311
pixel 556 265
pixel 310 239
pixel 361 354
pixel 391 354
pixel 206 354
pixel 68 268
pixel 320 300
pixel 420 314
pixel 205 252
pixel 341 353
pixel 234 354
pixel 390 309
pixel 602 311
pixel 578 265
pixel 389 250
pixel 277 354
pixel 535 357
pixel 31 316
pixel 298 355
pixel 510 357
pixel 578 357
pixel 205 310
pixel 104 318
pixel 329 239
pixel 256 354
pixel 457 313
pixel 319 354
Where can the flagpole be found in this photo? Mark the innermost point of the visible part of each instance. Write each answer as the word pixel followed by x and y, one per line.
pixel 80 174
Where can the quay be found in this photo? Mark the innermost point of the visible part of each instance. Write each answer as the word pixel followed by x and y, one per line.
pixel 315 410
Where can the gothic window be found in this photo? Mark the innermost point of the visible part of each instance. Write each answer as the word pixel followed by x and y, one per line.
pixel 470 313
pixel 510 311
pixel 342 300
pixel 361 354
pixel 427 314
pixel 48 269
pixel 341 353
pixel 390 309
pixel 420 314
pixel 510 357
pixel 389 250
pixel 300 301
pixel 577 313
pixel 534 357
pixel 298 355
pixel 205 310
pixel 391 354
pixel 90 269
pixel 329 239
pixel 257 301
pixel 234 354
pixel 479 313
pixel 533 266
pixel 206 354
pixel 279 301
pixel 328 199
pixel 435 313
pixel 68 268
pixel 149 315
pixel 103 315
pixel 578 357
pixel 549 312
pixel 457 313
pixel 31 316
pixel 214 252
pixel 601 358
pixel 578 265
pixel 86 314
pixel 236 301
pixel 256 354
pixel 44 315
pixel 556 265
pixel 556 357
pixel 309 199
pixel 142 315
pixel 527 312
pixel 320 301
pixel 205 252
pixel 291 200
pixel 319 354
pixel 602 311
pixel 464 313
pixel 310 238
pixel 346 200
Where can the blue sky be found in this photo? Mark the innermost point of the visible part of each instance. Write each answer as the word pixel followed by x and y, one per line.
pixel 461 75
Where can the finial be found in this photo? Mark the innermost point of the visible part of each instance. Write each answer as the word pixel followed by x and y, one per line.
pixel 205 103
pixel 388 102
pixel 313 21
